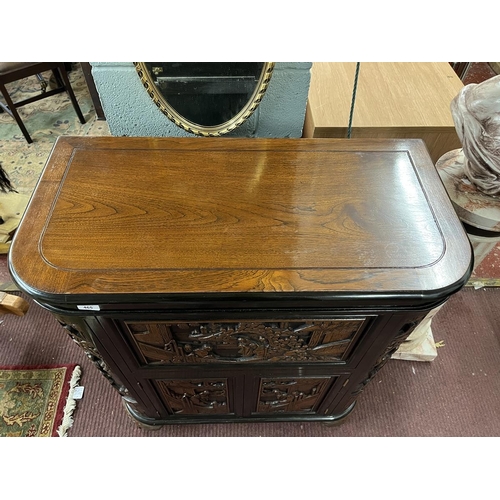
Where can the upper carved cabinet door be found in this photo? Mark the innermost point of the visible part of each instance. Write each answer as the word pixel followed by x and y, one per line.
pixel 309 340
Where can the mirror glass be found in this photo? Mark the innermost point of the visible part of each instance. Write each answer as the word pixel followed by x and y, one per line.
pixel 206 98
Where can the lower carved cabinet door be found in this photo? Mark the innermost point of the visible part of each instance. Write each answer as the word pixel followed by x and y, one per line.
pixel 288 395
pixel 202 396
pixel 247 396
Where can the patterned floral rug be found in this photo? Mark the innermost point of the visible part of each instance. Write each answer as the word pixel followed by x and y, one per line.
pixel 37 401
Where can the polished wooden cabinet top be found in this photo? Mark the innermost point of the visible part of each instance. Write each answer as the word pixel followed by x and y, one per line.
pixel 203 215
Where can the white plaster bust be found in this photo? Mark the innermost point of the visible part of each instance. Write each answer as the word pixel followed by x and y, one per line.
pixel 476 113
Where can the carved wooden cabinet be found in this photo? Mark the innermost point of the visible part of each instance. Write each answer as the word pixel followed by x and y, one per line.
pixel 218 280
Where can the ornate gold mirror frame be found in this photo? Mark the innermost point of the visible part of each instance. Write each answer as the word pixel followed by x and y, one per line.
pixel 205 130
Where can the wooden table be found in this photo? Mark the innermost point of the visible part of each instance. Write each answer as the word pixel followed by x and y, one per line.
pixel 218 280
pixel 393 100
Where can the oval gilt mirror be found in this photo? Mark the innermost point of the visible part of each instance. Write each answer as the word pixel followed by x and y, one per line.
pixel 207 99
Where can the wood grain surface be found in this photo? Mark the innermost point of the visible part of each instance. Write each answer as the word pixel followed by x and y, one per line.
pixel 161 216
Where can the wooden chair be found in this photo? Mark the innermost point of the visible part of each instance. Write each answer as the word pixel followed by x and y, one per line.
pixel 14 71
pixel 11 304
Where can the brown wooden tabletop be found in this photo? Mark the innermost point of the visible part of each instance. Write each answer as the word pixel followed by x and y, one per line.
pixel 195 215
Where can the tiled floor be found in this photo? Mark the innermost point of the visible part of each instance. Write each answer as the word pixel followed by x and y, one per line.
pixel 488 272
pixel 477 73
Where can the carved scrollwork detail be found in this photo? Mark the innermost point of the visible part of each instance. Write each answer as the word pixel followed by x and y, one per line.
pixel 84 340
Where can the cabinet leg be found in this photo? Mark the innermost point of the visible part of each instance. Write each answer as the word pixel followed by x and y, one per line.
pixel 341 419
pixel 142 425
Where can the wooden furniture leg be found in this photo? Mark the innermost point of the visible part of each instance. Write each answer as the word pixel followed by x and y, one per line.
pixel 70 92
pixel 13 112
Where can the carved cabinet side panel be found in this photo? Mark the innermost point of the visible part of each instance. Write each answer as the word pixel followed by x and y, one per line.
pixel 291 395
pixel 246 341
pixel 194 397
pixel 80 334
pixel 393 346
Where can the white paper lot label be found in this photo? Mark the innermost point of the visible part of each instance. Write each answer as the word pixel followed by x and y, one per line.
pixel 89 308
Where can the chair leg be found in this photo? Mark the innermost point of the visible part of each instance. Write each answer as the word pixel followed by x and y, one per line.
pixel 14 113
pixel 57 77
pixel 71 94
